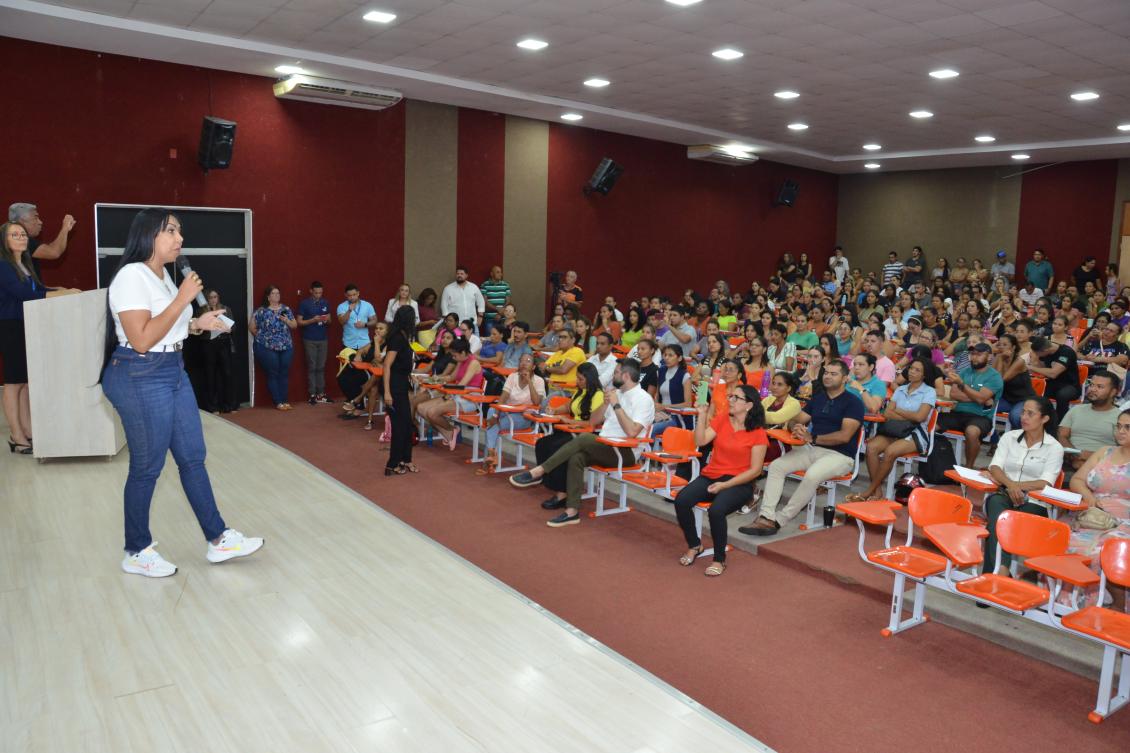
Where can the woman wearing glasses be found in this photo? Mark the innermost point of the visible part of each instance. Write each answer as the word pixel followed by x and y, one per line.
pixel 727 479
pixel 18 283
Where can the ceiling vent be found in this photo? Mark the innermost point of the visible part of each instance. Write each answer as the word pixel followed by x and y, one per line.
pixel 329 92
pixel 722 155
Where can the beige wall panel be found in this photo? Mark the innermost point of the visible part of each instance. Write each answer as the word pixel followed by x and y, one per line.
pixel 524 215
pixel 1121 196
pixel 431 152
pixel 964 212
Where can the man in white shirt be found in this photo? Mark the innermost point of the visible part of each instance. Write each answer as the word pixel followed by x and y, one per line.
pixel 627 412
pixel 839 265
pixel 463 298
pixel 603 359
pixel 1030 294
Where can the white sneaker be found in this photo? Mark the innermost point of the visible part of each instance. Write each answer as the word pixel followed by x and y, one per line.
pixel 232 544
pixel 148 563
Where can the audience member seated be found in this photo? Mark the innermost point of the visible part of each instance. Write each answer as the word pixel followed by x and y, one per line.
pixel 1059 365
pixel 490 354
pixel 633 328
pixel 904 432
pixel 516 345
pixel 441 369
pixel 628 413
pixel 1090 426
pixel 782 354
pixel 523 387
pixel 864 384
pixel 679 333
pixel 726 481
pixel 562 365
pixel 606 321
pixel 648 350
pixel 673 390
pixel 976 390
pixel 1014 374
pixel 829 428
pixel 468 373
pixel 1027 459
pixel 552 331
pixel 583 337
pixel 604 359
pixel 1106 349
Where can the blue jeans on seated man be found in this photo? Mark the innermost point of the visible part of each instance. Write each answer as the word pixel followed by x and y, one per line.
pixel 154 398
pixel 1013 410
pixel 506 422
pixel 277 365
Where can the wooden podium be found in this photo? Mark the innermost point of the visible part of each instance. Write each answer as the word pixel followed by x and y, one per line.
pixel 70 417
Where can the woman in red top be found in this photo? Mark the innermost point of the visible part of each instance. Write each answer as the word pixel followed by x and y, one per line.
pixel 727 480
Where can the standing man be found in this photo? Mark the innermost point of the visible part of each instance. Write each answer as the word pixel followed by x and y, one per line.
pixel 463 298
pixel 1002 267
pixel 313 319
pixel 892 270
pixel 570 292
pixel 28 216
pixel 839 265
pixel 496 294
pixel 355 316
pixel 977 390
pixel 1039 271
pixel 914 268
pixel 1059 365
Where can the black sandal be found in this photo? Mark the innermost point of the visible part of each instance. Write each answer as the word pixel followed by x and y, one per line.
pixel 409 468
pixel 399 470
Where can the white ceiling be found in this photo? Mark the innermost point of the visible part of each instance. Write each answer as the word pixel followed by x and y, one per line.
pixel 860 65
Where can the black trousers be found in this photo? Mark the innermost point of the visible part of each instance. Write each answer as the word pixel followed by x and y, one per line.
pixel 219 375
pixel 722 504
pixel 1063 395
pixel 554 480
pixel 400 450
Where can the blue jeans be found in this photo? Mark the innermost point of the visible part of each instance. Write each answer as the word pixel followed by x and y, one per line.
pixel 152 394
pixel 505 422
pixel 1013 410
pixel 277 365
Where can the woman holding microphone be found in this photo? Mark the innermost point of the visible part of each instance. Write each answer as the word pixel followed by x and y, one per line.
pixel 143 377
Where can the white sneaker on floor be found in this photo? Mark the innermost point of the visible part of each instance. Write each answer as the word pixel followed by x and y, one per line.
pixel 232 544
pixel 148 563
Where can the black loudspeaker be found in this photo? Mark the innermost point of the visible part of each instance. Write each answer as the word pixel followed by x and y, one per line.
pixel 607 172
pixel 217 140
pixel 786 197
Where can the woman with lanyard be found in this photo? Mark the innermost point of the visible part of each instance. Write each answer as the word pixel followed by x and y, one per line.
pixel 397 368
pixel 18 283
pixel 270 325
pixel 726 481
pixel 1026 460
pixel 144 379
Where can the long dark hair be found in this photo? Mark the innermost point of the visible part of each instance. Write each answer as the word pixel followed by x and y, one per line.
pixel 25 258
pixel 139 248
pixel 1046 409
pixel 404 322
pixel 266 302
pixel 755 418
pixel 592 386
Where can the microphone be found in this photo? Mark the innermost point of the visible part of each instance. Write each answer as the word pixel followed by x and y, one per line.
pixel 186 270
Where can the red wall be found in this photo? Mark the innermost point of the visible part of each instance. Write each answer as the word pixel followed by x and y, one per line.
pixel 480 190
pixel 672 223
pixel 1067 210
pixel 326 184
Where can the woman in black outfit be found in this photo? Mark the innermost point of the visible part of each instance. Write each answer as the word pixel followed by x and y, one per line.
pixel 397 369
pixel 218 351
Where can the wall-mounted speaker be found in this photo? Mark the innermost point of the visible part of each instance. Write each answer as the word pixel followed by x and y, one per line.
pixel 786 196
pixel 607 172
pixel 217 141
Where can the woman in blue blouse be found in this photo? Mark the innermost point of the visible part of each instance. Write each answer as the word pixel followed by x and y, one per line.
pixel 271 325
pixel 18 283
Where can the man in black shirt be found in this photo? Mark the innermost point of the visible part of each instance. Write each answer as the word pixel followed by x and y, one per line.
pixel 1059 365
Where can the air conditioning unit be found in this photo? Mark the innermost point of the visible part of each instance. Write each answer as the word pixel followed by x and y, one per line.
pixel 723 155
pixel 330 92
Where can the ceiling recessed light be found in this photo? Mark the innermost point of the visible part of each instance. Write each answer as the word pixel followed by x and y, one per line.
pixel 533 44
pixel 572 116
pixel 288 69
pixel 798 126
pixel 872 165
pixel 921 114
pixel 597 83
pixel 727 53
pixel 683 3
pixel 786 94
pixel 379 17
pixel 1020 156
pixel 872 147
pixel 985 139
pixel 1124 127
pixel 1084 96
pixel 944 73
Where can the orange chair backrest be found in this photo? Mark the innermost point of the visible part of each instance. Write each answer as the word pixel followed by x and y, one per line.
pixel 1115 559
pixel 557 401
pixel 676 440
pixel 736 341
pixel 1031 535
pixel 929 506
pixel 932 423
pixel 1084 371
pixel 1039 384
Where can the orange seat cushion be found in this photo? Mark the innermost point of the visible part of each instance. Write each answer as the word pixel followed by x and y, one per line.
pixel 1104 624
pixel 917 563
pixel 1008 592
pixel 654 480
pixel 530 439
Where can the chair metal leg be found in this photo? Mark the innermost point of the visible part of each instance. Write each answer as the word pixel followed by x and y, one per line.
pixel 1106 705
pixel 917 616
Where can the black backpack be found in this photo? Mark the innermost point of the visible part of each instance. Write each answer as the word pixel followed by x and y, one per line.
pixel 940 460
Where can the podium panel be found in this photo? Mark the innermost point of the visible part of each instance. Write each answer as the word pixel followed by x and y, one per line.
pixel 70 417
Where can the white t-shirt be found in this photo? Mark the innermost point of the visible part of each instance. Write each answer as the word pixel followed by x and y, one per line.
pixel 136 288
pixel 604 369
pixel 638 406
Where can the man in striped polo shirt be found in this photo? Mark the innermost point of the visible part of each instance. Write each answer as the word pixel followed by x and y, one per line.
pixel 496 294
pixel 892 270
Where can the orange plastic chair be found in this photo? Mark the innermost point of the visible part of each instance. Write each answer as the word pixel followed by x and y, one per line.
pixel 1026 535
pixel 598 476
pixel 676 446
pixel 528 438
pixel 1110 628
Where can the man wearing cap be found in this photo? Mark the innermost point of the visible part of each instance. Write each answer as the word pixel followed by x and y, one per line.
pixel 1039 271
pixel 977 390
pixel 1002 267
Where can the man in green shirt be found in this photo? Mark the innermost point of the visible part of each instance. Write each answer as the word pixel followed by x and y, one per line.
pixel 1090 426
pixel 496 294
pixel 977 391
